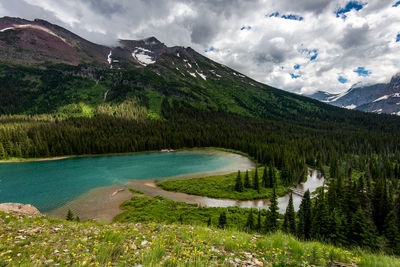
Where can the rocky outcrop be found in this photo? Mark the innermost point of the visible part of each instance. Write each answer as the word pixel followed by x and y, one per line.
pixel 19 208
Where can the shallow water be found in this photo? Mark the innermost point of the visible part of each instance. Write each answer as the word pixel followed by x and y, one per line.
pixel 314 180
pixel 51 184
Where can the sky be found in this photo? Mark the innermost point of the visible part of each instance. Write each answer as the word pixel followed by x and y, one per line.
pixel 300 46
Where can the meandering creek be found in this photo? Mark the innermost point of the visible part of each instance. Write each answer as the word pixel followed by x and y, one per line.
pixel 314 180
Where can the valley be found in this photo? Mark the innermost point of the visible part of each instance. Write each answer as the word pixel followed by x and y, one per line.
pixel 81 130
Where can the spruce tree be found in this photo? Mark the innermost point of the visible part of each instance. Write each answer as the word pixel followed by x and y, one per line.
pixel 271 176
pixel 239 183
pixel 256 183
pixel 247 180
pixel 290 217
pixel 3 153
pixel 222 220
pixel 69 216
pixel 259 221
pixel 391 232
pixel 320 218
pixel 265 178
pixel 361 230
pixel 273 215
pixel 250 221
pixel 305 218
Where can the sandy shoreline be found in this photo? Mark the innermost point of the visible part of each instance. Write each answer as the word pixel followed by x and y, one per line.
pixel 34 160
pixel 102 204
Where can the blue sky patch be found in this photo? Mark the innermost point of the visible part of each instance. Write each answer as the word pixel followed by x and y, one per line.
pixel 245 28
pixel 362 72
pixel 275 14
pixel 396 4
pixel 292 17
pixel 288 16
pixel 296 67
pixel 211 49
pixel 294 76
pixel 356 5
pixel 314 53
pixel 342 79
pixel 398 38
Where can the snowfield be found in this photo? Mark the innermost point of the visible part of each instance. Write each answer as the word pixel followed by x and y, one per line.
pixel 141 55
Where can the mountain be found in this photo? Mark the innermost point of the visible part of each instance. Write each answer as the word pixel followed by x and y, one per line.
pixel 377 98
pixel 52 70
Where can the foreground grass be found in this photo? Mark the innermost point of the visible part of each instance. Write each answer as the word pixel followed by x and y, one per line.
pixel 222 186
pixel 33 241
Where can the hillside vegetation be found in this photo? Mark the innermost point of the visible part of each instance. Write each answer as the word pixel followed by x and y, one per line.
pixel 29 241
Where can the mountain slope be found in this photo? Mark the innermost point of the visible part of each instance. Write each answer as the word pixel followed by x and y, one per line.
pixel 146 70
pixel 377 98
pixel 87 78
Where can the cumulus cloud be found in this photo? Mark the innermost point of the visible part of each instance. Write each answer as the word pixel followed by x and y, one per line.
pixel 303 47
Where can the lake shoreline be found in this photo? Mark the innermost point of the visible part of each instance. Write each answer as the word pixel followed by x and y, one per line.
pixel 106 201
pixel 24 160
pixel 103 204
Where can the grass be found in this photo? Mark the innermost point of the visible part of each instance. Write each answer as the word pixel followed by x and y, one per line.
pixel 221 186
pixel 162 210
pixel 33 241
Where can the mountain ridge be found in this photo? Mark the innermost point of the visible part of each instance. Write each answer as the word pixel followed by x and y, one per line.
pixel 376 98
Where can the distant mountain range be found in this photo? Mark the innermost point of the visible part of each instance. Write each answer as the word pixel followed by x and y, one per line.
pixel 377 98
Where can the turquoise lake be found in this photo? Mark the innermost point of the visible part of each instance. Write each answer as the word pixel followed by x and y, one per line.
pixel 50 184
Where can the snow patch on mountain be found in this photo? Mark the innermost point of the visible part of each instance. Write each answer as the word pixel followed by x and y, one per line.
pixel 381 98
pixel 336 97
pixel 193 74
pixel 142 56
pixel 109 59
pixel 352 106
pixel 379 111
pixel 202 75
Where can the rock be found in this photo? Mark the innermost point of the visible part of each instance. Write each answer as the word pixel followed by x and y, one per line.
pixel 19 208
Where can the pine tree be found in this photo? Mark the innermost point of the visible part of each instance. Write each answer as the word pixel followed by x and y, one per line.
pixel 256 183
pixel 336 228
pixel 69 216
pixel 259 221
pixel 320 218
pixel 3 153
pixel 273 215
pixel 290 217
pixel 247 180
pixel 239 183
pixel 361 230
pixel 334 169
pixel 250 221
pixel 271 176
pixel 305 218
pixel 265 178
pixel 391 232
pixel 222 220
